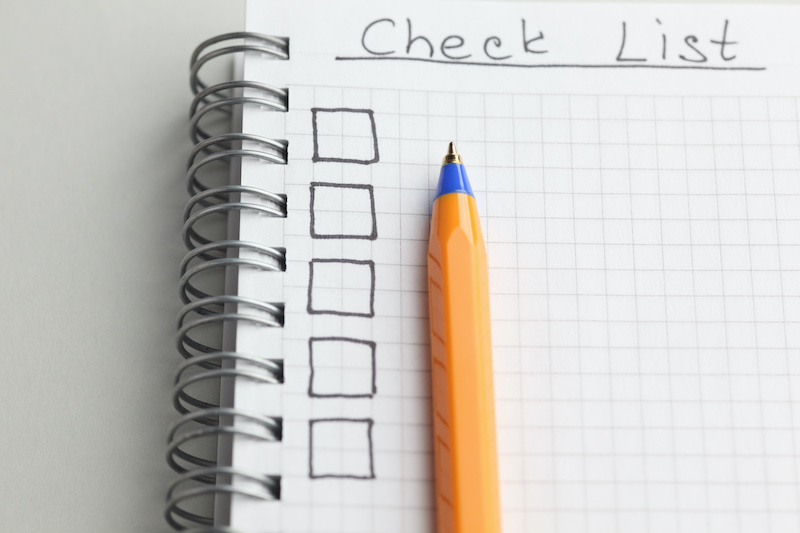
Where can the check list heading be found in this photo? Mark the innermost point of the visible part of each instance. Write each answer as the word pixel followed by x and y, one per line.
pixel 640 45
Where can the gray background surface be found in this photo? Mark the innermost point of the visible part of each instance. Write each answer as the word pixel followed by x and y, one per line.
pixel 93 141
pixel 93 145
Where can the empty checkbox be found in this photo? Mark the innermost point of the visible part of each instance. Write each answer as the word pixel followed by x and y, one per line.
pixel 344 287
pixel 341 448
pixel 343 135
pixel 341 367
pixel 343 211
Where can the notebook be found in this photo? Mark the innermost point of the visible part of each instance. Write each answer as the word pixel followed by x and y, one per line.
pixel 637 171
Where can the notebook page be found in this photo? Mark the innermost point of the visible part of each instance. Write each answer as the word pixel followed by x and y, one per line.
pixel 641 209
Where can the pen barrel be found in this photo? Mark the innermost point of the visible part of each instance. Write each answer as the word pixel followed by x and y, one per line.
pixel 465 448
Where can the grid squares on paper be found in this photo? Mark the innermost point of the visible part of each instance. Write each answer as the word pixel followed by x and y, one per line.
pixel 344 135
pixel 330 202
pixel 344 287
pixel 340 448
pixel 341 367
pixel 644 296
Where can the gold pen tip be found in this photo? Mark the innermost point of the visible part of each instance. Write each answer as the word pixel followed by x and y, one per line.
pixel 452 155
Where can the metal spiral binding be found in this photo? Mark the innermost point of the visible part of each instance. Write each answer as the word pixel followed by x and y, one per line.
pixel 206 311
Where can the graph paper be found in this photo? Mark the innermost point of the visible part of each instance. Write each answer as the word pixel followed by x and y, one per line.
pixel 644 264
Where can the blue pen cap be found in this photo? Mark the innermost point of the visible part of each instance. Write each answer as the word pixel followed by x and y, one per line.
pixel 453 178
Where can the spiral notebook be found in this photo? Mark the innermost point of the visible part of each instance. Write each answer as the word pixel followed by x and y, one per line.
pixel 637 169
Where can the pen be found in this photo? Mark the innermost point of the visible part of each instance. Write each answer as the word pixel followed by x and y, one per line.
pixel 465 449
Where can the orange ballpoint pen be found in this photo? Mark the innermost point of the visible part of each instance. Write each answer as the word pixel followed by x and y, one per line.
pixel 467 491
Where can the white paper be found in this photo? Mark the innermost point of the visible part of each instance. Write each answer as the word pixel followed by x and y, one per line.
pixel 643 233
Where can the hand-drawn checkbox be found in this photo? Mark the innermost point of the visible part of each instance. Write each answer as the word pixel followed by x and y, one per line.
pixel 343 211
pixel 344 287
pixel 343 135
pixel 341 368
pixel 341 448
